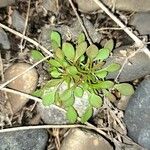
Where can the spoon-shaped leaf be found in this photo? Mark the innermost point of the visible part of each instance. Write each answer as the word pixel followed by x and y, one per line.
pixel 113 67
pixel 109 45
pixel 80 50
pixel 68 51
pixel 36 55
pixel 55 36
pixel 103 54
pixel 48 98
pixel 71 114
pixel 92 51
pixel 87 115
pixel 124 88
pixel 81 38
pixel 95 100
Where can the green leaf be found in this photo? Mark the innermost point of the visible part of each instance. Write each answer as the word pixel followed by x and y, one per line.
pixel 68 51
pixel 71 115
pixel 48 98
pixel 55 73
pixel 80 50
pixel 87 115
pixel 81 38
pixel 54 45
pixel 66 95
pixel 113 67
pixel 69 102
pixel 59 53
pixel 101 74
pixel 72 70
pixel 92 51
pixel 103 85
pixel 65 63
pixel 109 45
pixel 54 63
pixel 85 86
pixel 37 93
pixel 55 36
pixel 124 88
pixel 53 83
pixel 102 54
pixel 82 58
pixel 95 100
pixel 78 92
pixel 36 55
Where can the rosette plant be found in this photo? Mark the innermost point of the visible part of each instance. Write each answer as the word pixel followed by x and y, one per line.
pixel 82 68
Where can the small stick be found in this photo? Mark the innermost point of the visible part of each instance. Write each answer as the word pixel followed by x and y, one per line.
pixel 26 23
pixel 7 82
pixel 80 21
pixel 26 38
pixel 113 17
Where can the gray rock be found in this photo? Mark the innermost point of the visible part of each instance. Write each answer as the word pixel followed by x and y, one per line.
pixel 24 140
pixel 137 114
pixel 4 42
pixel 51 114
pixel 18 22
pixel 50 5
pixel 56 115
pixel 141 21
pixel 69 33
pixel 84 140
pixel 137 66
pixel 4 3
pixel 128 5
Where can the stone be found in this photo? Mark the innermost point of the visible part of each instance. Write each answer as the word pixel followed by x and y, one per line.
pixel 78 139
pixel 137 118
pixel 50 5
pixel 25 83
pixel 4 3
pixel 52 114
pixel 57 115
pixel 141 22
pixel 123 102
pixel 4 41
pixel 18 22
pixel 127 5
pixel 136 67
pixel 69 33
pixel 35 139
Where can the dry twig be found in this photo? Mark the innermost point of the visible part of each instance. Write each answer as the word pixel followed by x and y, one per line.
pixel 25 26
pixel 80 21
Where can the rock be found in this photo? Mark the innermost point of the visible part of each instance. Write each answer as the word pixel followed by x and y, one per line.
pixel 127 5
pixel 69 33
pixel 50 5
pixel 137 116
pixel 4 3
pixel 26 139
pixel 18 22
pixel 84 140
pixel 26 83
pixel 123 102
pixel 52 114
pixel 137 66
pixel 141 21
pixel 56 115
pixel 4 42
